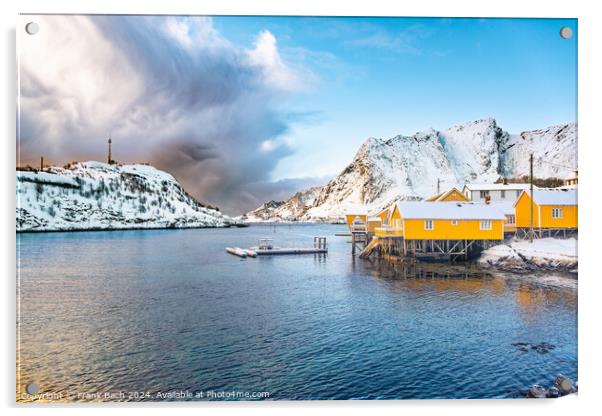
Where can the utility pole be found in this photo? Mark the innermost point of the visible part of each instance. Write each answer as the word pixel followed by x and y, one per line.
pixel 109 158
pixel 438 185
pixel 41 162
pixel 531 182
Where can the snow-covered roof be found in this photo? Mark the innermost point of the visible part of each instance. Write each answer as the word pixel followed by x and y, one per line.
pixel 555 196
pixel 507 207
pixel 450 210
pixel 497 186
pixel 442 195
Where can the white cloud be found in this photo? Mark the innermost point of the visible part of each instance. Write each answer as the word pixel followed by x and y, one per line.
pixel 172 91
pixel 276 73
pixel 72 77
pixel 195 33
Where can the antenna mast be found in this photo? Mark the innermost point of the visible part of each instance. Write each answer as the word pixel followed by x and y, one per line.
pixel 109 161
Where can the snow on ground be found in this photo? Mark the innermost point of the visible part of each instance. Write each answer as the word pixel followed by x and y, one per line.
pixel 544 253
pixel 96 195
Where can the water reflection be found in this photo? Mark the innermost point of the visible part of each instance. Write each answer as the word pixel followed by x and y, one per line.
pixel 531 293
pixel 163 310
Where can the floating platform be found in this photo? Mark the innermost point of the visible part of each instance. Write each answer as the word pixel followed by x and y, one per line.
pixel 278 250
pixel 266 248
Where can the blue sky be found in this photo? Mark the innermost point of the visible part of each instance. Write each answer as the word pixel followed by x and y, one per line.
pixel 242 110
pixel 387 76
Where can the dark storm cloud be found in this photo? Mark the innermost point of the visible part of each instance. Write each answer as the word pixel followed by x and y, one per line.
pixel 170 91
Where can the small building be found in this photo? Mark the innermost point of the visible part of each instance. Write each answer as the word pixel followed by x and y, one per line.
pixel 450 195
pixel 553 209
pixel 572 179
pixel 356 221
pixel 356 218
pixel 445 221
pixel 490 192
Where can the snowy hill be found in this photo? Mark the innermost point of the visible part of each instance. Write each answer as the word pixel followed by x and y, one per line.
pixel 408 167
pixel 94 195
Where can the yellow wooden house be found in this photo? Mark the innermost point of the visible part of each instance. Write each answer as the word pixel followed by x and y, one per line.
pixel 356 218
pixel 553 208
pixel 450 195
pixel 445 221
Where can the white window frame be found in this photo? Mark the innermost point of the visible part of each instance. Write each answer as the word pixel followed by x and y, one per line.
pixel 511 219
pixel 503 194
pixel 556 213
pixel 454 222
pixel 429 225
pixel 483 194
pixel 485 225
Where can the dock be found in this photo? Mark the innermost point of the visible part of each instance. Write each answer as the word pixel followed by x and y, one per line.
pixel 266 248
pixel 278 250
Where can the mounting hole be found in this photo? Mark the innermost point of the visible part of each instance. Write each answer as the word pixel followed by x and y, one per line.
pixel 566 32
pixel 32 388
pixel 32 28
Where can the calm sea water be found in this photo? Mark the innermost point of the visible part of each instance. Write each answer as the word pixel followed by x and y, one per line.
pixel 161 311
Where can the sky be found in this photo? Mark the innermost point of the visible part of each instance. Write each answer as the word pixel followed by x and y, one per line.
pixel 242 110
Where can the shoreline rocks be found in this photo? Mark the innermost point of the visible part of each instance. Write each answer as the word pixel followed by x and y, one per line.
pixel 562 386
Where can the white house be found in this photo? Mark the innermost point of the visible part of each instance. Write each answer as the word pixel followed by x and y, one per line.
pixel 494 192
pixel 571 180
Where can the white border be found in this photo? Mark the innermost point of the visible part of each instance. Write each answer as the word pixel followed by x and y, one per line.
pixel 590 136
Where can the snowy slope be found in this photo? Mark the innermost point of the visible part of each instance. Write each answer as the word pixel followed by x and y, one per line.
pixel 94 195
pixel 408 167
pixel 554 149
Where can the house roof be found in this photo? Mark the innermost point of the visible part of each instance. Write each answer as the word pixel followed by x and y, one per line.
pixel 450 210
pixel 442 195
pixel 497 186
pixel 507 207
pixel 554 196
pixel 435 197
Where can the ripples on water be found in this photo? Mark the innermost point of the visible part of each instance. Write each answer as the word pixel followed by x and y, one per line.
pixel 154 311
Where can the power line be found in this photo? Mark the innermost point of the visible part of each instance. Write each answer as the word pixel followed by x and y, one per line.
pixel 560 166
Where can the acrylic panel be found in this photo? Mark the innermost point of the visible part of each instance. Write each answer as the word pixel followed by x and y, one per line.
pixel 295 208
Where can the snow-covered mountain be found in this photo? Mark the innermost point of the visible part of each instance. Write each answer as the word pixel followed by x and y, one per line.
pixel 284 211
pixel 94 195
pixel 408 167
